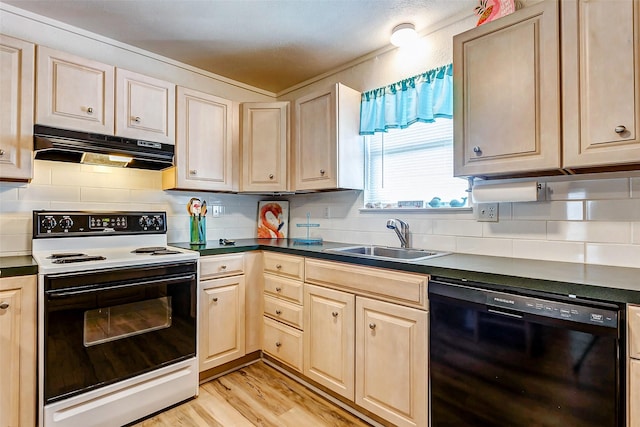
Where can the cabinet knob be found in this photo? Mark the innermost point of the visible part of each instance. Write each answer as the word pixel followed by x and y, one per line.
pixel 270 176
pixel 278 266
pixel 321 171
pixel 372 325
pixel 278 343
pixel 477 150
pixel 193 172
pixel 334 314
pixel 137 119
pixel 214 299
pixel 1 152
pixel 278 289
pixel 4 305
pixel 223 267
pixel 620 129
pixel 89 110
pixel 278 312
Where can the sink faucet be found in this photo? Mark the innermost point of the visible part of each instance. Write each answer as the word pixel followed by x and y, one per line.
pixel 402 230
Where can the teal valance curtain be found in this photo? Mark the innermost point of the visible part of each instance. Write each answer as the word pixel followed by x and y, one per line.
pixel 421 98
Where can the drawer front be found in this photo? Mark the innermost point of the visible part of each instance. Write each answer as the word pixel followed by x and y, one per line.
pixel 283 342
pixel 283 311
pixel 283 288
pixel 284 265
pixel 634 331
pixel 395 286
pixel 221 265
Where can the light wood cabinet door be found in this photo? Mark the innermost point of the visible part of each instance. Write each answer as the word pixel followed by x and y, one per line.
pixel 222 321
pixel 204 143
pixel 18 350
pixel 17 59
pixel 145 107
pixel 265 137
pixel 600 82
pixel 73 92
pixel 506 94
pixel 391 361
pixel 634 393
pixel 329 339
pixel 634 331
pixel 329 153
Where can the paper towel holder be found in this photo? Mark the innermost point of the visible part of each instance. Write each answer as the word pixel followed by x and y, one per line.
pixel 526 191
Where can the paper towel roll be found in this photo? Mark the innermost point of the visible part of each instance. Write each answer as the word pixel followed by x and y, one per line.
pixel 506 192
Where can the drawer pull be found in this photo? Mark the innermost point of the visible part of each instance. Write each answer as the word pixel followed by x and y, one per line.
pixel 278 289
pixel 278 266
pixel 4 305
pixel 214 299
pixel 270 176
pixel 372 326
pixel 223 267
pixel 137 119
pixel 278 312
pixel 477 150
pixel 278 343
pixel 334 314
pixel 89 110
pixel 322 172
pixel 620 129
pixel 1 152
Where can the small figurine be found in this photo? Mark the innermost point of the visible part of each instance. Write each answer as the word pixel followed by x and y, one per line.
pixel 457 203
pixel 435 202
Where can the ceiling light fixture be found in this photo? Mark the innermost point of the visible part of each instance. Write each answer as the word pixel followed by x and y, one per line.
pixel 403 34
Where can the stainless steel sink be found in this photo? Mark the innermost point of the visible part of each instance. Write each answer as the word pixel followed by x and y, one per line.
pixel 386 252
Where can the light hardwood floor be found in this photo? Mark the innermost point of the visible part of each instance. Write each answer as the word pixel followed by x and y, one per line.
pixel 256 395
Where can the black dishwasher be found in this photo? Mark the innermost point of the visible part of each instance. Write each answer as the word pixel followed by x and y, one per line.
pixel 501 358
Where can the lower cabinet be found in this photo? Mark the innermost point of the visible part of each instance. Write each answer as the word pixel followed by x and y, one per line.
pixel 634 393
pixel 392 361
pixel 329 340
pixel 18 351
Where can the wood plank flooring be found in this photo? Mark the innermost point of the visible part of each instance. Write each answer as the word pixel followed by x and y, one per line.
pixel 257 395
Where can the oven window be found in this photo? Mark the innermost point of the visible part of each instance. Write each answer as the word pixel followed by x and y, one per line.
pixel 121 321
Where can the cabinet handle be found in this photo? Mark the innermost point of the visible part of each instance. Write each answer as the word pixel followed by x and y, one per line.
pixel 137 119
pixel 278 343
pixel 620 129
pixel 321 171
pixel 278 289
pixel 223 267
pixel 477 150
pixel 334 314
pixel 372 325
pixel 89 110
pixel 270 176
pixel 4 305
pixel 278 266
pixel 193 172
pixel 1 152
pixel 214 299
pixel 278 312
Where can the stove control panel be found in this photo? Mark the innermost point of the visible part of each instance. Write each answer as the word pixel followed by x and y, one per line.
pixel 49 224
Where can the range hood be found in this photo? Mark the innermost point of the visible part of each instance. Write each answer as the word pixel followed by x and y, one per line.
pixel 83 147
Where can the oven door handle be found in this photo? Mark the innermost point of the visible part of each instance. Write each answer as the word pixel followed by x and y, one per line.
pixel 102 287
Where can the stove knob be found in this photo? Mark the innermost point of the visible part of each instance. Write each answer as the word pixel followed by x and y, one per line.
pixel 48 223
pixel 158 221
pixel 145 222
pixel 66 223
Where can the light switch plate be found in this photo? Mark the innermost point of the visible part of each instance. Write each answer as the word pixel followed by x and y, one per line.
pixel 487 212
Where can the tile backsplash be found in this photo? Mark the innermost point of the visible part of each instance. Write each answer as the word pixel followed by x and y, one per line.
pixel 595 221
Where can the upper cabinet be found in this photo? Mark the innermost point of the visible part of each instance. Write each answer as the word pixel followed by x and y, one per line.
pixel 16 108
pixel 329 152
pixel 506 100
pixel 74 92
pixel 265 137
pixel 518 78
pixel 145 107
pixel 204 143
pixel 600 82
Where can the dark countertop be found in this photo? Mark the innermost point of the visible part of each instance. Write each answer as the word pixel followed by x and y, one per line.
pixel 22 265
pixel 606 283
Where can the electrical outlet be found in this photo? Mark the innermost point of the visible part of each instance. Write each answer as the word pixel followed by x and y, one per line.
pixel 487 212
pixel 326 212
pixel 216 210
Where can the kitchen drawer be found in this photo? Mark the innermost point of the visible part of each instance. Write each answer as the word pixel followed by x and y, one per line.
pixel 284 265
pixel 221 265
pixel 391 285
pixel 283 311
pixel 283 288
pixel 283 342
pixel 634 331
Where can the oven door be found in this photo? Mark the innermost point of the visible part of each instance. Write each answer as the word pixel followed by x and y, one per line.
pixel 110 325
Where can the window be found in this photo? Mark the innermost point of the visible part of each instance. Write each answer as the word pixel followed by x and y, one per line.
pixel 413 164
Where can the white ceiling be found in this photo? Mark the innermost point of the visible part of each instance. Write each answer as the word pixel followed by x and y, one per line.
pixel 270 44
